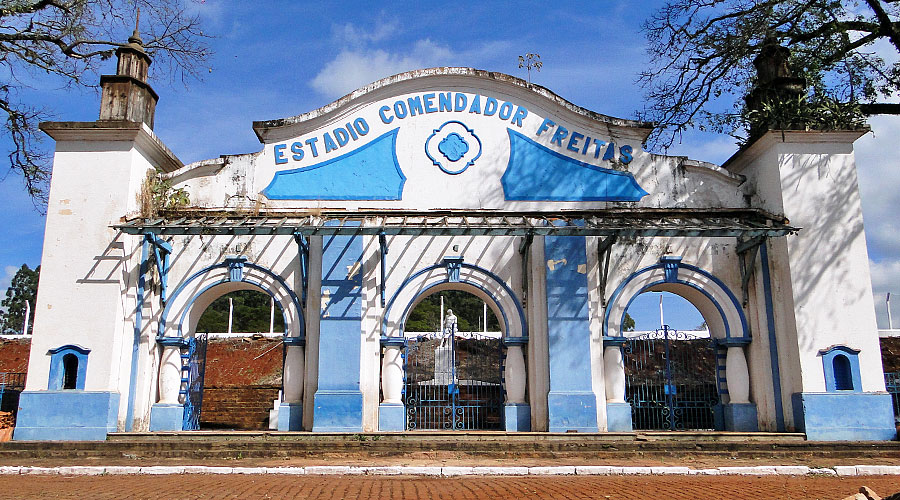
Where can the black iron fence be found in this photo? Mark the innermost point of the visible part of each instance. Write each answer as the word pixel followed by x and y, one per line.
pixel 892 384
pixel 11 385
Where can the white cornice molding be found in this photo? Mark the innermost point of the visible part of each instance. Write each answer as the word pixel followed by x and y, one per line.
pixel 747 154
pixel 113 130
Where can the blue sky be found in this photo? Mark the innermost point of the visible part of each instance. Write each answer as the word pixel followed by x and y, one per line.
pixel 279 59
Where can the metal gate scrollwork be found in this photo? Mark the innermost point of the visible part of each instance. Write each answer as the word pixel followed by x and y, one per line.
pixel 453 382
pixel 193 371
pixel 671 381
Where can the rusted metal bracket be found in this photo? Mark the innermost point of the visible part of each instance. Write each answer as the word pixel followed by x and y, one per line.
pixel 525 251
pixel 604 250
pixel 747 249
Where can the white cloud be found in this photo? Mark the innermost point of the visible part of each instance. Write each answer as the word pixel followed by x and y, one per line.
pixel 886 278
pixel 368 55
pixel 878 165
pixel 353 68
pixel 6 281
pixel 353 36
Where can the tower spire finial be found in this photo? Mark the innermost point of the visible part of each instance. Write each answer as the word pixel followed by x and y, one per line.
pixel 136 36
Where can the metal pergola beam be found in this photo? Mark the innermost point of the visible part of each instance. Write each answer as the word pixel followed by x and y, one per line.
pixel 636 223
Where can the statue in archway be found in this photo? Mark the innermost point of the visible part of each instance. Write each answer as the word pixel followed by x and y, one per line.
pixel 449 326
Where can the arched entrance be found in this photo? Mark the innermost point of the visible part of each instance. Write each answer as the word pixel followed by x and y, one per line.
pixel 671 380
pixel 671 372
pixel 244 361
pixel 477 359
pixel 180 374
pixel 453 373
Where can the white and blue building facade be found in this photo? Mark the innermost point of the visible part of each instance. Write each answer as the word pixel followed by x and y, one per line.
pixel 454 179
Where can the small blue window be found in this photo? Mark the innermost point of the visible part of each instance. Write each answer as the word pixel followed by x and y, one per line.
pixel 68 368
pixel 843 379
pixel 841 366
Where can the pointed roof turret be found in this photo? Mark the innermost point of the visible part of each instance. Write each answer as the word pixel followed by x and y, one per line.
pixel 126 95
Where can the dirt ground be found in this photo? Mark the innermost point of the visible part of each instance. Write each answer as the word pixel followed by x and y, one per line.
pixel 250 487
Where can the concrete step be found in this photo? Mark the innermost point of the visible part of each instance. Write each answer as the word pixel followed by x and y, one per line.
pixel 774 448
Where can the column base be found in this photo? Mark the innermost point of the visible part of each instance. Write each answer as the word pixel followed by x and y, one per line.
pixel 618 417
pixel 66 415
pixel 844 416
pixel 572 411
pixel 290 416
pixel 391 417
pixel 166 417
pixel 740 417
pixel 337 411
pixel 518 417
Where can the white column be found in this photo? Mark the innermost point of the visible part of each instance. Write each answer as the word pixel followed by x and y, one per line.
pixel 515 375
pixel 170 375
pixel 293 374
pixel 737 375
pixel 392 375
pixel 614 374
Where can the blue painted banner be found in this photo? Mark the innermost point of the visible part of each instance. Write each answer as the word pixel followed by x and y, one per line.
pixel 369 173
pixel 536 173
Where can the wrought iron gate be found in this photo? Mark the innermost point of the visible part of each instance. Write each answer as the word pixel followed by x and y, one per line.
pixel 453 383
pixel 892 384
pixel 671 381
pixel 193 368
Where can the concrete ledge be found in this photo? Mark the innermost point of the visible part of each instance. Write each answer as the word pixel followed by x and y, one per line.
pixel 845 416
pixel 448 471
pixel 740 417
pixel 66 415
pixel 391 417
pixel 572 411
pixel 290 416
pixel 518 417
pixel 618 417
pixel 166 417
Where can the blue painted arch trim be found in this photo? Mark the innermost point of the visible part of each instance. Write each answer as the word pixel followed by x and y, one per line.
pixel 492 276
pixel 745 331
pixel 249 265
pixel 223 281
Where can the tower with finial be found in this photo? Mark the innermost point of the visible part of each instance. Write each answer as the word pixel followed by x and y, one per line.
pixel 126 95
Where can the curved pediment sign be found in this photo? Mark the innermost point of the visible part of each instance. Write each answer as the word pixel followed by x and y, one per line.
pixel 450 138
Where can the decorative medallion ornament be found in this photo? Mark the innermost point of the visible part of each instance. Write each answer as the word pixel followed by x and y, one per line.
pixel 453 147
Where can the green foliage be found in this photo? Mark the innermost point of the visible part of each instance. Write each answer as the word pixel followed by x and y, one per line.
pixel 467 308
pixel 702 57
pixel 814 111
pixel 158 194
pixel 23 288
pixel 628 323
pixel 251 314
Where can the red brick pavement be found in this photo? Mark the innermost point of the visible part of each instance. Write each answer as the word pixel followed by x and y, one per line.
pixel 250 487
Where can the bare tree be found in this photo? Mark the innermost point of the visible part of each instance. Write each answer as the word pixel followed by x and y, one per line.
pixel 702 52
pixel 65 41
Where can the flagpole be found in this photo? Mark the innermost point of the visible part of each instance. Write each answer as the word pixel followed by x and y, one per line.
pixel 662 321
pixel 887 302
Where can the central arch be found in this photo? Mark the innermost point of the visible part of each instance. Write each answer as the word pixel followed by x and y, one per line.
pixel 453 274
